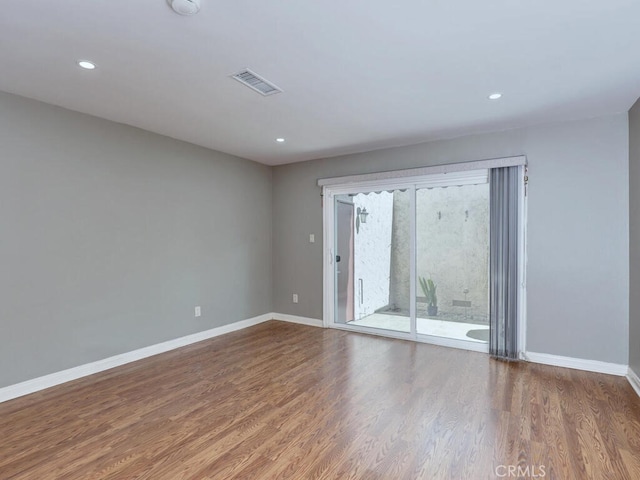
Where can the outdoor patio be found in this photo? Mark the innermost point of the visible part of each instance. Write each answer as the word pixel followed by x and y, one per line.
pixel 426 326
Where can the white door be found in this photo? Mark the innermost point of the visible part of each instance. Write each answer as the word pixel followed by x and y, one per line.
pixel 344 261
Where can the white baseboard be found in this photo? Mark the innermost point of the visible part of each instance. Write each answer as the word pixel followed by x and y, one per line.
pixel 313 322
pixel 46 381
pixel 634 380
pixel 57 378
pixel 577 363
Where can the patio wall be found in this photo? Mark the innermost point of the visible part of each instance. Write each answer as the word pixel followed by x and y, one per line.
pixel 372 247
pixel 452 232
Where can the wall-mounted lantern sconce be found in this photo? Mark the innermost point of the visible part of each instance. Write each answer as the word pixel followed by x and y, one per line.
pixel 362 213
pixel 361 217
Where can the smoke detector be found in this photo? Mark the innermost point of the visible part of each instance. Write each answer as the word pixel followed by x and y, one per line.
pixel 185 7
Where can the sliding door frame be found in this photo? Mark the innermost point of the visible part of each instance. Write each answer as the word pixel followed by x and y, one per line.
pixel 329 239
pixel 522 261
pixel 441 176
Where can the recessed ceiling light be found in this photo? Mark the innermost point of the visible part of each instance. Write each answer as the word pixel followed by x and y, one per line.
pixel 494 96
pixel 86 64
pixel 280 140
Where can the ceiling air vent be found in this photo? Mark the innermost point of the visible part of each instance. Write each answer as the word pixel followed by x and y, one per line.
pixel 256 82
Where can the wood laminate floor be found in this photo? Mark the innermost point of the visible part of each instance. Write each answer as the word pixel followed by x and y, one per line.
pixel 288 401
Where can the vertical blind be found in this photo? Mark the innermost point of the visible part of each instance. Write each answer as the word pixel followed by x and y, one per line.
pixel 503 262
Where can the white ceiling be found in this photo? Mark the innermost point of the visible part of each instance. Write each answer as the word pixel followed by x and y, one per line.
pixel 357 75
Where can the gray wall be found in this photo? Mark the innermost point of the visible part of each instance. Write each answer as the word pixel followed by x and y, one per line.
pixel 578 237
pixel 111 235
pixel 634 237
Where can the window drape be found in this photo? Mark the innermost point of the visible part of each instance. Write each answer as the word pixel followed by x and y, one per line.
pixel 503 262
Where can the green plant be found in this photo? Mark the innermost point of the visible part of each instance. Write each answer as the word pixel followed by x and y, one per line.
pixel 429 290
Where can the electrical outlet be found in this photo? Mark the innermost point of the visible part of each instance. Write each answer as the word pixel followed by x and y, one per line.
pixel 198 311
pixel 295 298
pixel 312 238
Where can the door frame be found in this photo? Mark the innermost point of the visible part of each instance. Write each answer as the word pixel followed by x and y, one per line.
pixel 329 241
pixel 402 180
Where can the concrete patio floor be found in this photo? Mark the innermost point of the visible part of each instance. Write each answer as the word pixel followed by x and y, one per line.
pixel 425 326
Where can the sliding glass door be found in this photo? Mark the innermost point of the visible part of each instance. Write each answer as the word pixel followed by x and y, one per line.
pixel 411 259
pixel 434 254
pixel 452 262
pixel 372 256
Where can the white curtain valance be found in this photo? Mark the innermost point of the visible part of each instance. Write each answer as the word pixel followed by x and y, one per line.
pixel 406 174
